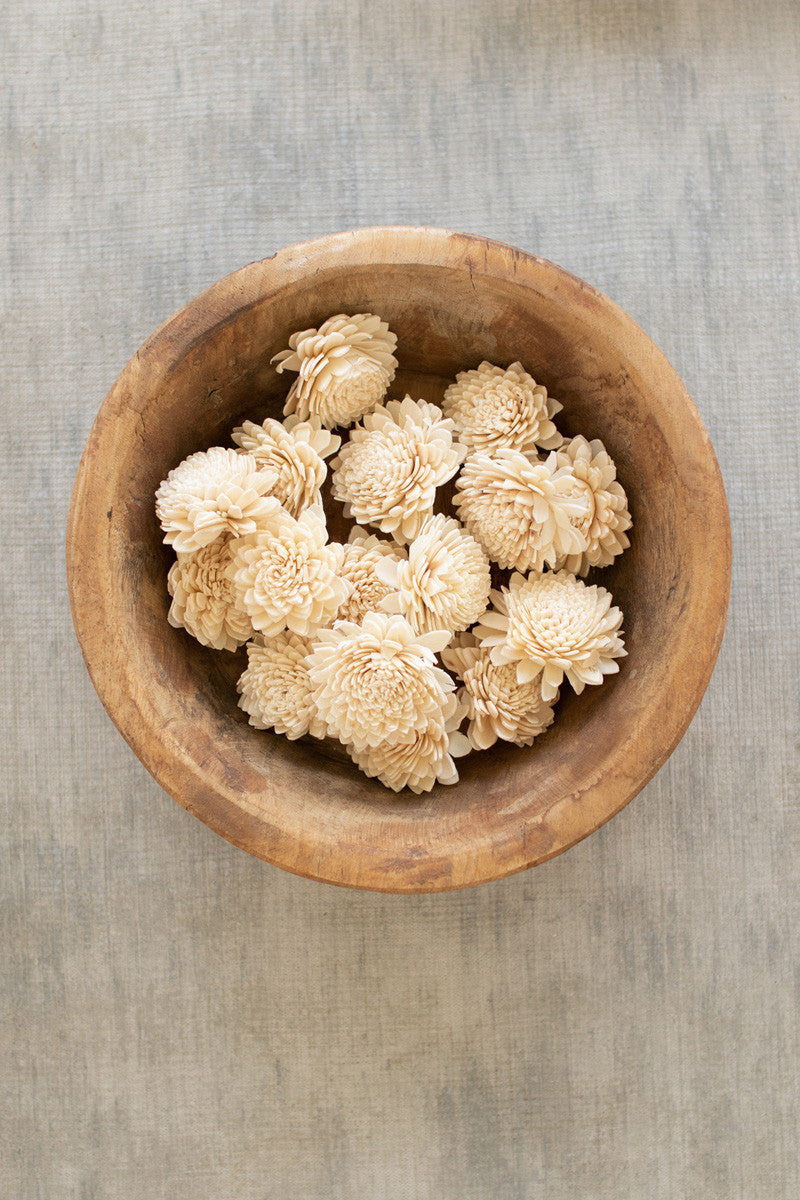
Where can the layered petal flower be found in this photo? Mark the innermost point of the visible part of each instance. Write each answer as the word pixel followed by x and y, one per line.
pixel 421 762
pixel 445 581
pixel 204 600
pixel 378 681
pixel 496 408
pixel 388 472
pixel 363 554
pixel 295 451
pixel 344 368
pixel 524 512
pixel 275 690
pixel 210 493
pixel 607 516
pixel 287 577
pixel 553 626
pixel 497 705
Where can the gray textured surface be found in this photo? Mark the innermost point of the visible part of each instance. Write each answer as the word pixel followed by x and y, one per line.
pixel 183 1021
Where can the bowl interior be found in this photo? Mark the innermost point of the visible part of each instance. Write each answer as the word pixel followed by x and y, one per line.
pixel 302 804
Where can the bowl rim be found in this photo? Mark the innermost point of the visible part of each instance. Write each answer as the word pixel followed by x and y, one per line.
pixel 472 864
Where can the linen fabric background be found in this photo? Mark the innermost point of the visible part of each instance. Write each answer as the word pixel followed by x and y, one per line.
pixel 182 1020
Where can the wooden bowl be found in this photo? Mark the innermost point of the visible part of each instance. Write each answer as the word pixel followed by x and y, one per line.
pixel 453 300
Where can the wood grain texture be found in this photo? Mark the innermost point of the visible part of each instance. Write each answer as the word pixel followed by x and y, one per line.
pixel 453 300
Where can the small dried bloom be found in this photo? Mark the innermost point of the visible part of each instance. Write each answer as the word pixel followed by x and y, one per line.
pixel 497 409
pixel 287 577
pixel 552 626
pixel 295 452
pixel 275 690
pixel 388 472
pixel 445 581
pixel 422 761
pixel 497 704
pixel 607 516
pixel 378 681
pixel 362 555
pixel 344 368
pixel 213 492
pixel 204 600
pixel 521 510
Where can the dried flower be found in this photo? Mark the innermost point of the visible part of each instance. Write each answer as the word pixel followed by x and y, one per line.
pixel 422 761
pixel 275 690
pixel 295 452
pixel 497 704
pixel 344 368
pixel 204 601
pixel 444 583
pixel 362 554
pixel 378 681
pixel 607 516
pixel 552 626
pixel 213 492
pixel 287 577
pixel 521 510
pixel 497 409
pixel 388 472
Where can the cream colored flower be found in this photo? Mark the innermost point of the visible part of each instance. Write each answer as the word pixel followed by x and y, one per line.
pixel 213 492
pixel 388 472
pixel 553 626
pixel 362 554
pixel 422 761
pixel 204 601
pixel 607 516
pixel 444 583
pixel 521 510
pixel 378 681
pixel 275 690
pixel 295 452
pixel 287 577
pixel 344 368
pixel 497 704
pixel 497 409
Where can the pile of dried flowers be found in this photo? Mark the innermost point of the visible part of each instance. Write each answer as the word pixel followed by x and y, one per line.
pixel 342 640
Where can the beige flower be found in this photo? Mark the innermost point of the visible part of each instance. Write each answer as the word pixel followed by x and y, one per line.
pixel 344 368
pixel 295 452
pixel 378 681
pixel 553 626
pixel 422 761
pixel 607 516
pixel 497 409
pixel 497 704
pixel 287 577
pixel 213 492
pixel 275 690
pixel 204 601
pixel 444 583
pixel 521 510
pixel 388 472
pixel 362 554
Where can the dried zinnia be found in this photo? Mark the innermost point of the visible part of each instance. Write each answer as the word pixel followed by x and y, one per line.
pixel 522 511
pixel 204 601
pixel 378 681
pixel 607 516
pixel 445 581
pixel 213 492
pixel 497 409
pixel 275 690
pixel 422 761
pixel 362 555
pixel 552 626
pixel 497 704
pixel 295 451
pixel 287 577
pixel 344 368
pixel 388 472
